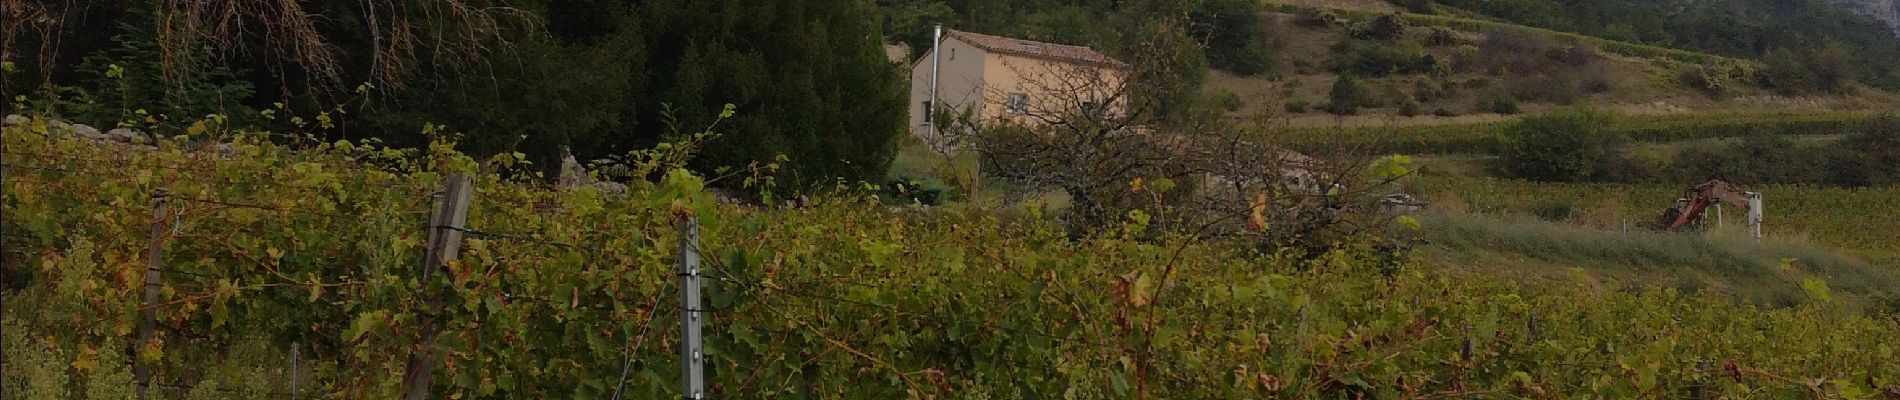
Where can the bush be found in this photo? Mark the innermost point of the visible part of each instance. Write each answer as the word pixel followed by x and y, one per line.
pixel 1384 28
pixel 1315 18
pixel 1409 108
pixel 1700 79
pixel 1576 55
pixel 1348 95
pixel 1548 88
pixel 1225 100
pixel 1441 36
pixel 1426 90
pixel 1444 112
pixel 1594 80
pixel 1871 156
pixel 1380 58
pixel 1235 38
pixel 1821 69
pixel 1567 146
pixel 1498 102
pixel 1554 210
pixel 1296 106
pixel 913 191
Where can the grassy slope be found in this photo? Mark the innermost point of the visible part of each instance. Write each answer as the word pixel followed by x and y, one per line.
pixel 1767 272
pixel 1841 236
pixel 1486 136
pixel 1643 76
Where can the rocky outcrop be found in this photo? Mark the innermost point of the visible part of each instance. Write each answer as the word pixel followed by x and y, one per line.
pixel 574 176
pixel 122 137
pixel 1884 10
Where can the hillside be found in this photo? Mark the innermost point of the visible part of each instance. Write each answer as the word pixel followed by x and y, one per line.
pixel 1438 69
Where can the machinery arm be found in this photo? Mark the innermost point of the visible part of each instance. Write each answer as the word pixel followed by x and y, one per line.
pixel 1701 197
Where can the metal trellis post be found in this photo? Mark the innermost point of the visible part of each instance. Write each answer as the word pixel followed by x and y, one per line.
pixel 692 356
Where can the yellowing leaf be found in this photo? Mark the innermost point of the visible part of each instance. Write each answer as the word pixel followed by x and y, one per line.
pixel 1142 292
pixel 87 359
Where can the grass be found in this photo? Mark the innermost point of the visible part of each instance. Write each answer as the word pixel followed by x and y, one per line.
pixel 1488 137
pixel 1769 272
pixel 1856 220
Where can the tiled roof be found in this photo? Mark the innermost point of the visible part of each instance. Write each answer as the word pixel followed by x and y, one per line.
pixel 1028 48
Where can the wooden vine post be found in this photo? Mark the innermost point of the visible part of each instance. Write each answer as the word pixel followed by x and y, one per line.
pixel 148 321
pixel 445 240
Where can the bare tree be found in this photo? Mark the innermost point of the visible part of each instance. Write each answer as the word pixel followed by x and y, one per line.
pixel 1090 133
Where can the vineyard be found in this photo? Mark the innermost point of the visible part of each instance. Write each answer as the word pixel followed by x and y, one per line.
pixel 1488 137
pixel 291 268
pixel 1837 217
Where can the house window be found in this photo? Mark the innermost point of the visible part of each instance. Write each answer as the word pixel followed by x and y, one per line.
pixel 928 112
pixel 1018 103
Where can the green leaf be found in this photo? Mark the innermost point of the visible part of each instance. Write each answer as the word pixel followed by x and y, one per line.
pixel 363 323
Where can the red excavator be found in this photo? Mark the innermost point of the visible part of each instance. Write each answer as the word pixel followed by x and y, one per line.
pixel 1690 208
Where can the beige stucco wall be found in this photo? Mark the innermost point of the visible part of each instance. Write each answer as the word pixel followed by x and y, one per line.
pixel 971 77
pixel 1048 84
pixel 959 80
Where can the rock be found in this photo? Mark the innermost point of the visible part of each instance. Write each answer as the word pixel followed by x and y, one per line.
pixel 14 119
pixel 127 135
pixel 613 169
pixel 614 188
pixel 85 131
pixel 729 196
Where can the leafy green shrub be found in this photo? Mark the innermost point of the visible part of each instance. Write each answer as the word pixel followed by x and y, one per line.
pixel 133 72
pixel 1224 100
pixel 1409 108
pixel 1566 146
pixel 1594 79
pixel 1554 210
pixel 1872 155
pixel 1378 58
pixel 1427 90
pixel 1819 69
pixel 1575 55
pixel 1500 102
pixel 1348 95
pixel 1441 36
pixel 909 190
pixel 1235 41
pixel 1385 28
